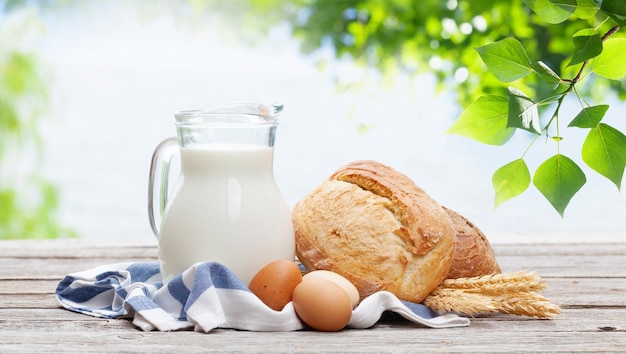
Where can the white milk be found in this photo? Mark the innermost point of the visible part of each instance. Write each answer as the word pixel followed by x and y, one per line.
pixel 226 207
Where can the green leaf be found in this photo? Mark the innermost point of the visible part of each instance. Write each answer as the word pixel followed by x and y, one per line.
pixel 617 7
pixel 552 11
pixel 604 150
pixel 506 59
pixel 589 117
pixel 587 45
pixel 18 73
pixel 484 120
pixel 586 9
pixel 510 180
pixel 523 112
pixel 558 179
pixel 610 63
pixel 546 74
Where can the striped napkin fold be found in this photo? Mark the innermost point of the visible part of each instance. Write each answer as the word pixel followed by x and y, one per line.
pixel 208 296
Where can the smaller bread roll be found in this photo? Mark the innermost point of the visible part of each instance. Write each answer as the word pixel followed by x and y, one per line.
pixel 377 228
pixel 472 255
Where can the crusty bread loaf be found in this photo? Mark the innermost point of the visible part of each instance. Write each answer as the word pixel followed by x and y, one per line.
pixel 472 255
pixel 373 225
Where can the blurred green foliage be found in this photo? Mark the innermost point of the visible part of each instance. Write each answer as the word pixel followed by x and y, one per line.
pixel 28 203
pixel 435 37
pixel 539 49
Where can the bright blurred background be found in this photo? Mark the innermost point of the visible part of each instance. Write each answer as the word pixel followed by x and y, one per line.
pixel 116 71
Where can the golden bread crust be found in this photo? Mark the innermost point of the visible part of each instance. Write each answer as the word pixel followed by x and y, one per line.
pixel 373 225
pixel 472 255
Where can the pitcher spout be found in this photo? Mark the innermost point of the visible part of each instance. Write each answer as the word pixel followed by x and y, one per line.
pixel 264 112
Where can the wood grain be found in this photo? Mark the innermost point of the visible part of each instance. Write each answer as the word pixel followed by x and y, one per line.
pixel 587 280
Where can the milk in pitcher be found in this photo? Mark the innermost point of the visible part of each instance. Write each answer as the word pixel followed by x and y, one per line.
pixel 226 197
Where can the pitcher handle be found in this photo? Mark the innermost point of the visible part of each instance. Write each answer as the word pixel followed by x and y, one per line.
pixel 161 160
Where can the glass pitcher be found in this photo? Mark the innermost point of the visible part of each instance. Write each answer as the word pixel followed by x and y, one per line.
pixel 226 205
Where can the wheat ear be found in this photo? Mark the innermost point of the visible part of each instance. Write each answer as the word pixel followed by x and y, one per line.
pixel 510 293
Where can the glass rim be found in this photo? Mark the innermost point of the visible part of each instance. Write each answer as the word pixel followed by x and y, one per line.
pixel 231 114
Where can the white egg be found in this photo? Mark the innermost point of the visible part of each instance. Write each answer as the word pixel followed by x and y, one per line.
pixel 338 279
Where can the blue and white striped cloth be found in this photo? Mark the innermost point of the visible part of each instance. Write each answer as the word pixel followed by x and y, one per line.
pixel 208 296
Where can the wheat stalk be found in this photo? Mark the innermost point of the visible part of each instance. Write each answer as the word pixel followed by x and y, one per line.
pixel 459 301
pixel 511 293
pixel 532 305
pixel 498 283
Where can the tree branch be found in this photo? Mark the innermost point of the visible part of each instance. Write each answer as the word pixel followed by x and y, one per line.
pixel 582 67
pixel 610 32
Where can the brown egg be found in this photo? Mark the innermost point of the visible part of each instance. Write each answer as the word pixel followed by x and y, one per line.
pixel 322 304
pixel 274 284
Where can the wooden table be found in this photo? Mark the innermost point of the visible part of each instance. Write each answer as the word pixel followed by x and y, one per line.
pixel 587 280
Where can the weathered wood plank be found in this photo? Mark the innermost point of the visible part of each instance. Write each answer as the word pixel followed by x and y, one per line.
pixel 79 248
pixel 564 292
pixel 587 292
pixel 27 286
pixel 55 268
pixel 569 261
pixel 564 266
pixel 29 301
pixel 560 249
pixel 586 320
pixel 588 266
pixel 96 248
pixel 385 339
pixel 76 243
